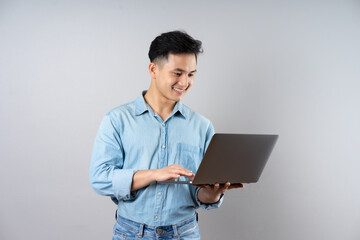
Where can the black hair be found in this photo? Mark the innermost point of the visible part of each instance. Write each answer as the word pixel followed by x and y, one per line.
pixel 174 42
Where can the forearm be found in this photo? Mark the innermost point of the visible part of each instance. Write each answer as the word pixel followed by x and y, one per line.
pixel 141 179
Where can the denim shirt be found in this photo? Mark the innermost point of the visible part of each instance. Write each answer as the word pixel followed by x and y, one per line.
pixel 133 137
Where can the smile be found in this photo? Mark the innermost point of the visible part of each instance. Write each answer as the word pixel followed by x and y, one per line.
pixel 178 90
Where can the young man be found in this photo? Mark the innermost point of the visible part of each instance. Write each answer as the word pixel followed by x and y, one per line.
pixel 153 139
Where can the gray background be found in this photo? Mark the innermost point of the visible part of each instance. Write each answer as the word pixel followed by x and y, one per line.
pixel 285 67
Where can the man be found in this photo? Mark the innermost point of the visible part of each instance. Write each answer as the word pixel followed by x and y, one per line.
pixel 154 139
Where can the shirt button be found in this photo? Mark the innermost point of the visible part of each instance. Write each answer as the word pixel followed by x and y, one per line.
pixel 163 146
pixel 156 217
pixel 159 193
pixel 163 124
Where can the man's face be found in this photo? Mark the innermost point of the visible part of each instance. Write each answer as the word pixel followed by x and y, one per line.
pixel 175 76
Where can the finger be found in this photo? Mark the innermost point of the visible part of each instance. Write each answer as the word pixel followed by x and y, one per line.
pixel 216 187
pixel 178 168
pixel 173 177
pixel 185 172
pixel 224 187
pixel 181 168
pixel 192 177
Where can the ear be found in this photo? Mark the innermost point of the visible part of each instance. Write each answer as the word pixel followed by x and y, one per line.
pixel 153 70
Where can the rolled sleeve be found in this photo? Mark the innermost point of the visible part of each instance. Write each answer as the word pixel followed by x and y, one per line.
pixel 121 183
pixel 107 175
pixel 208 206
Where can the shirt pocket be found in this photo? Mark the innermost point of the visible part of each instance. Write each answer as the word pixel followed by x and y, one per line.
pixel 188 156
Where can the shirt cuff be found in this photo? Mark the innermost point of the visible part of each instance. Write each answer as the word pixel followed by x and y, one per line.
pixel 121 183
pixel 208 206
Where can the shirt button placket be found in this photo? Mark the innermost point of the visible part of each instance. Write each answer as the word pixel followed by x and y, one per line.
pixel 163 163
pixel 163 145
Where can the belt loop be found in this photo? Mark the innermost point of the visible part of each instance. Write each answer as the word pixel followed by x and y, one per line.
pixel 141 230
pixel 176 234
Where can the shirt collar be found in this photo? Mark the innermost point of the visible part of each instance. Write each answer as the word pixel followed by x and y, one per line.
pixel 141 106
pixel 179 107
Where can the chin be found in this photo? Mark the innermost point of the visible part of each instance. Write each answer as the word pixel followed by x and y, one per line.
pixel 179 98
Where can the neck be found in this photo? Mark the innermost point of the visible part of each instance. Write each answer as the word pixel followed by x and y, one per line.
pixel 161 105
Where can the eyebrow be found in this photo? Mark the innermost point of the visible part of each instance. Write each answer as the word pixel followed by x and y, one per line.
pixel 182 70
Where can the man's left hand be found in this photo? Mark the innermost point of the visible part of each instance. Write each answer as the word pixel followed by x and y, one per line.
pixel 212 193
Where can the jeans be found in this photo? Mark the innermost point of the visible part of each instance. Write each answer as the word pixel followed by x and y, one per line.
pixel 130 230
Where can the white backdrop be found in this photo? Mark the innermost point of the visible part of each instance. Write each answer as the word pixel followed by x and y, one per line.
pixel 284 67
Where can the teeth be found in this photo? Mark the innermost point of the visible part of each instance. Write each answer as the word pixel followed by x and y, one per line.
pixel 179 90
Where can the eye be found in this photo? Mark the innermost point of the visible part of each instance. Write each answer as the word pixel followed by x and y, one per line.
pixel 177 74
pixel 191 75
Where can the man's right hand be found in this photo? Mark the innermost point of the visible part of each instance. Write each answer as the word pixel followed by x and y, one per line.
pixel 142 178
pixel 172 172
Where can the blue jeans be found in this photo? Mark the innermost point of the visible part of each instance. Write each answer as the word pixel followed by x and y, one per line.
pixel 130 230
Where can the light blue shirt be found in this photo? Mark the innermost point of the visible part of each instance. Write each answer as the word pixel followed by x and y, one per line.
pixel 133 137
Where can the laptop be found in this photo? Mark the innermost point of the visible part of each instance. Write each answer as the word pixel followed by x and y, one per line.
pixel 234 158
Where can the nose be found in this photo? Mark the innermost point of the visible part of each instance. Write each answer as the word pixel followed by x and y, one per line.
pixel 184 80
